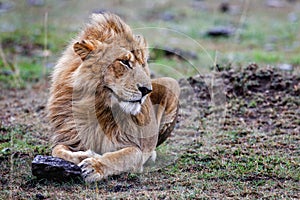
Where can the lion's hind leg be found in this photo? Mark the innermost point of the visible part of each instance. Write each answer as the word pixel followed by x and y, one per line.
pixel 165 98
pixel 167 127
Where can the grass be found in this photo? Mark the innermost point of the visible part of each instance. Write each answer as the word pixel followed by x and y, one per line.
pixel 252 104
pixel 267 57
pixel 27 72
pixel 15 139
pixel 235 171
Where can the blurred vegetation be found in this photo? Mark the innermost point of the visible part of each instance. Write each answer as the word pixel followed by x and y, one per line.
pixel 34 33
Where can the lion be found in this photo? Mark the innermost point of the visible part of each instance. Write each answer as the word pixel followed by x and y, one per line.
pixel 107 115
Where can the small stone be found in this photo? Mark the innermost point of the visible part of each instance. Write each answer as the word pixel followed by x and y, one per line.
pixel 36 2
pixel 39 196
pixel 224 7
pixel 275 3
pixel 5 150
pixel 221 31
pixel 285 67
pixel 6 72
pixel 173 52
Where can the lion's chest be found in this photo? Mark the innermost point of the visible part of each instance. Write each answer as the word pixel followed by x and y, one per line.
pixel 126 131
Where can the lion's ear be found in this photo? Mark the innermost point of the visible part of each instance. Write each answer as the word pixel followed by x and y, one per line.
pixel 83 48
pixel 141 40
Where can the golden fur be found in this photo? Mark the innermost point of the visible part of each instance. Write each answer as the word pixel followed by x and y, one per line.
pixel 103 116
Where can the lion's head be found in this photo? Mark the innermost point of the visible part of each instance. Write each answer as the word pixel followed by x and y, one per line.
pixel 115 59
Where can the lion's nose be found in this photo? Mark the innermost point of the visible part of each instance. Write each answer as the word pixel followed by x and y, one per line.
pixel 144 90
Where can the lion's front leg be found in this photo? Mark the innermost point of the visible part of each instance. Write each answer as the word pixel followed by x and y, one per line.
pixel 62 151
pixel 112 163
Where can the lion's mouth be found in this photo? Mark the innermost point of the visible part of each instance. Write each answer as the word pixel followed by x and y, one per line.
pixel 120 99
pixel 128 106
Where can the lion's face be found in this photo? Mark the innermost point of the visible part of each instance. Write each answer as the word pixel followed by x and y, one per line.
pixel 124 70
pixel 129 81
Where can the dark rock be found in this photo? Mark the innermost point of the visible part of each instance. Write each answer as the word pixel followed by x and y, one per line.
pixel 39 196
pixel 53 168
pixel 121 188
pixel 39 108
pixel 173 52
pixel 26 110
pixel 6 72
pixel 221 31
pixel 181 53
pixel 224 7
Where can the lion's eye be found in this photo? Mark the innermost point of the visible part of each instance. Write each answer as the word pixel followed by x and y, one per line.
pixel 126 63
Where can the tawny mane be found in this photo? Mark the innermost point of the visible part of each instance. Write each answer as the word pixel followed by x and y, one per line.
pixel 104 27
pixel 68 131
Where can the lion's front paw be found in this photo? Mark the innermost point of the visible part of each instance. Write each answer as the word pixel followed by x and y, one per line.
pixel 92 170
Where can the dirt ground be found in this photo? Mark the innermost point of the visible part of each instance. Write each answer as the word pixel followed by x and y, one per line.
pixel 253 154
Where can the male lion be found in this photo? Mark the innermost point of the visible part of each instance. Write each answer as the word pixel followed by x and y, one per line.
pixel 107 115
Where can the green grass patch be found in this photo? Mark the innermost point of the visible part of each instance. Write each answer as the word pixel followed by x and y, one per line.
pixel 252 104
pixel 25 72
pixel 16 140
pixel 266 57
pixel 248 167
pixel 295 60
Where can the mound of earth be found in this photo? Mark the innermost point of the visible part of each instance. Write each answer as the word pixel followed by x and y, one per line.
pixel 263 98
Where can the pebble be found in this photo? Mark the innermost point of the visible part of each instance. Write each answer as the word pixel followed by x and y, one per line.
pixel 5 150
pixel 36 2
pixel 39 196
pixel 220 31
pixel 275 3
pixel 285 67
